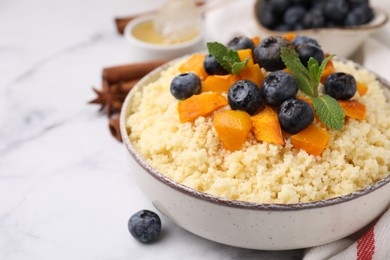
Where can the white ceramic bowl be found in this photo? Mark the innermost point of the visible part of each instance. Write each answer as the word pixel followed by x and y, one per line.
pixel 250 225
pixel 160 51
pixel 342 41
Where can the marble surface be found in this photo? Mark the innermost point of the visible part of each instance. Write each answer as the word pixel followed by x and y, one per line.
pixel 66 191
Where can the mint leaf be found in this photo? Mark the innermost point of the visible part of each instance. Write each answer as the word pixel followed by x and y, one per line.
pixel 227 58
pixel 238 66
pixel 322 66
pixel 329 111
pixel 219 51
pixel 305 80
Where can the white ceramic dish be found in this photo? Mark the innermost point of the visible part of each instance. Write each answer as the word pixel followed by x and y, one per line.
pixel 160 51
pixel 343 41
pixel 250 225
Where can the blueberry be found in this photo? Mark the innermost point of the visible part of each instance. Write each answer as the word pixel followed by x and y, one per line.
pixel 266 15
pixel 310 50
pixel 283 28
pixel 212 67
pixel 302 40
pixel 185 85
pixel 267 53
pixel 241 43
pixel 313 19
pixel 295 115
pixel 358 3
pixel 358 16
pixel 294 15
pixel 145 226
pixel 336 10
pixel 246 96
pixel 279 86
pixel 279 6
pixel 340 86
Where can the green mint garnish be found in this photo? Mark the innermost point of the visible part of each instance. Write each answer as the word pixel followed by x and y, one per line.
pixel 326 107
pixel 227 58
pixel 329 111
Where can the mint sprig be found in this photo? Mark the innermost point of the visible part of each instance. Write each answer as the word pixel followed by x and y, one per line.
pixel 227 58
pixel 328 110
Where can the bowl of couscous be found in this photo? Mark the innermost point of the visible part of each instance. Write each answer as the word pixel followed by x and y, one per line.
pixel 269 194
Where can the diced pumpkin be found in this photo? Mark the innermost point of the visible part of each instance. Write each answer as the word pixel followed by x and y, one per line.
pixel 266 127
pixel 312 139
pixel 247 53
pixel 288 71
pixel 195 64
pixel 256 40
pixel 353 109
pixel 219 83
pixel 361 88
pixel 253 73
pixel 289 36
pixel 200 105
pixel 329 69
pixel 233 127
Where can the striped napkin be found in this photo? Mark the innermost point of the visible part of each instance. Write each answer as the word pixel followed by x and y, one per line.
pixel 373 244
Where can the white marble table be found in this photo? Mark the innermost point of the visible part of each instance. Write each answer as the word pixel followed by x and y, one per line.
pixel 66 191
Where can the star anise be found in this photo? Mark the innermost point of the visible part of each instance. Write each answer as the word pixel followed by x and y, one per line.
pixel 111 97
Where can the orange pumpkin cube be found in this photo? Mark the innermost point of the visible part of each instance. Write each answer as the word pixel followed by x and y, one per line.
pixel 256 40
pixel 361 88
pixel 219 83
pixel 195 64
pixel 329 69
pixel 200 105
pixel 289 36
pixel 266 127
pixel 233 127
pixel 312 139
pixel 247 53
pixel 253 73
pixel 353 109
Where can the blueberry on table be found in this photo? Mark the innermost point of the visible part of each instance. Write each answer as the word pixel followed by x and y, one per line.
pixel 306 51
pixel 267 53
pixel 246 96
pixel 302 40
pixel 241 43
pixel 145 226
pixel 279 86
pixel 340 86
pixel 295 115
pixel 185 85
pixel 212 67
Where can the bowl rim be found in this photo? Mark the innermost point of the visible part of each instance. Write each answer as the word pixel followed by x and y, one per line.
pixel 161 47
pixel 225 201
pixel 379 20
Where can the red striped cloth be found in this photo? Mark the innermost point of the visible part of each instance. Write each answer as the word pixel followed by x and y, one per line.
pixel 374 244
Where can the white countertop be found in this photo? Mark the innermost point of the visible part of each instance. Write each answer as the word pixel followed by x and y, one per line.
pixel 66 191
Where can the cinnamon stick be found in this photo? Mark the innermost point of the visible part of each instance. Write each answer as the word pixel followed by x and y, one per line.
pixel 129 72
pixel 114 126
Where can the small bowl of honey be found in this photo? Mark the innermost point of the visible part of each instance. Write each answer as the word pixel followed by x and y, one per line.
pixel 142 34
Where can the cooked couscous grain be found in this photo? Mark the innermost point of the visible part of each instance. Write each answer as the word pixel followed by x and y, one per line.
pixel 192 154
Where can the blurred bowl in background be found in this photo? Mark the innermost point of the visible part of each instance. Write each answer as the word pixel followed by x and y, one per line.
pixel 140 33
pixel 343 41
